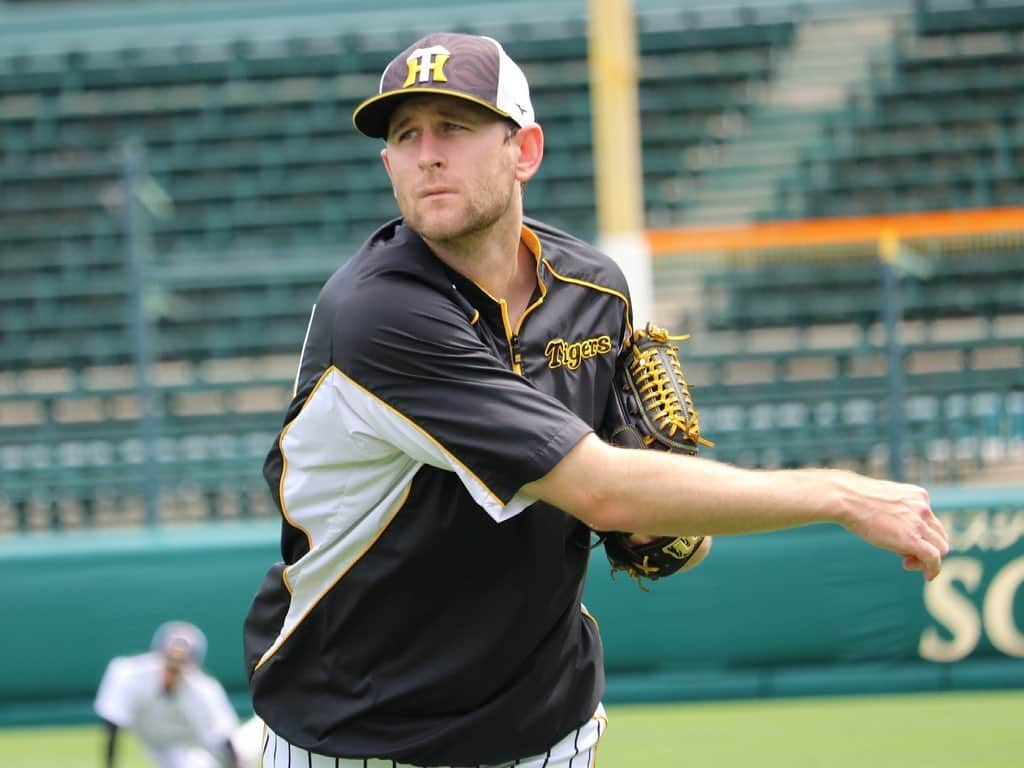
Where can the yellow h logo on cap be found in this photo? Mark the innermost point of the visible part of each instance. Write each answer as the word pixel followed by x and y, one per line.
pixel 427 65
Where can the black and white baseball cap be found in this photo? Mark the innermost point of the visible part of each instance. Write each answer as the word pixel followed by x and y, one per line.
pixel 471 67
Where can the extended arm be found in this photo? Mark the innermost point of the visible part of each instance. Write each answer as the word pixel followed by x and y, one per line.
pixel 661 493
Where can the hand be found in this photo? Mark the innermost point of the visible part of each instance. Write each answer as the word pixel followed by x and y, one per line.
pixel 894 516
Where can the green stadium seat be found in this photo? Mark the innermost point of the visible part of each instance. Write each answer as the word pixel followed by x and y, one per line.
pixel 942 133
pixel 965 16
pixel 231 122
pixel 252 141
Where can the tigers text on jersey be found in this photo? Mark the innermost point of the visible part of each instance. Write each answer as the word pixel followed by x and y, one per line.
pixel 426 610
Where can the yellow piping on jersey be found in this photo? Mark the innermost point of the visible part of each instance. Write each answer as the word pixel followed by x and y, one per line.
pixel 596 287
pixel 333 369
pixel 529 238
pixel 532 243
pixel 269 654
pixel 284 466
pixel 476 317
pixel 509 334
pixel 399 414
pixel 419 429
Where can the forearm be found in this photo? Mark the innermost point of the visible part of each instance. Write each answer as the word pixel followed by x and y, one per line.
pixel 668 494
pixel 658 493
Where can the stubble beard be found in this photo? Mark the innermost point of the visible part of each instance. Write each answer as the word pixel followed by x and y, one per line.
pixel 478 217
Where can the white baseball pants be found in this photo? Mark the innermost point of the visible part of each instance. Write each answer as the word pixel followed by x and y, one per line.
pixel 577 749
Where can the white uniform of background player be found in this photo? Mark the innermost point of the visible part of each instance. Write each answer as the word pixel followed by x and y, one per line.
pixel 180 714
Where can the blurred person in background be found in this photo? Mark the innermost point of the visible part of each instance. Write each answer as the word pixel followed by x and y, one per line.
pixel 179 713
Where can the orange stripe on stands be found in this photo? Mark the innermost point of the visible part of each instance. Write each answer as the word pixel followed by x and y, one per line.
pixel 837 231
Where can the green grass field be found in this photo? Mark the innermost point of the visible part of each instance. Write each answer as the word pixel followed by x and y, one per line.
pixel 963 730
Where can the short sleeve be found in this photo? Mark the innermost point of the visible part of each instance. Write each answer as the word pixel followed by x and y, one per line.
pixel 426 370
pixel 114 699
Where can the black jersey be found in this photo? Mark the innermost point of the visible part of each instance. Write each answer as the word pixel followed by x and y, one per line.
pixel 426 610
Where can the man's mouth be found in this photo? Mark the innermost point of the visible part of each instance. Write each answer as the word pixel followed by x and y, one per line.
pixel 435 192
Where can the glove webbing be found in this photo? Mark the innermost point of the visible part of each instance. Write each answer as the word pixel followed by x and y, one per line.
pixel 663 401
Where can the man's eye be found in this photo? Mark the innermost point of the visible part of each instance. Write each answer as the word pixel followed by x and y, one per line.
pixel 400 136
pixel 453 127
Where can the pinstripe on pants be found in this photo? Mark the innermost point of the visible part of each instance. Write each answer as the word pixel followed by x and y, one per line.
pixel 576 750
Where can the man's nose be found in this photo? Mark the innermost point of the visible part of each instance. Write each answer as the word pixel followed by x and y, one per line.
pixel 430 150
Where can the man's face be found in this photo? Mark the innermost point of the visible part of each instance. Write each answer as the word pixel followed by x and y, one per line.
pixel 452 165
pixel 171 676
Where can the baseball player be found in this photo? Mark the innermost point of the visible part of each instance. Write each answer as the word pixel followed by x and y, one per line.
pixel 180 714
pixel 438 472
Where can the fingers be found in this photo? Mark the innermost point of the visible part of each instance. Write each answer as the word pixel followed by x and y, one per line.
pixel 928 559
pixel 932 546
pixel 939 536
pixel 639 539
pixel 936 531
pixel 935 540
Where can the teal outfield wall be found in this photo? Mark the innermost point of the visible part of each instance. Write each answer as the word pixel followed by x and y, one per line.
pixel 809 611
pixel 71 601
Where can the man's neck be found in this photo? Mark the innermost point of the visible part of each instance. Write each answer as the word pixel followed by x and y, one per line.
pixel 496 260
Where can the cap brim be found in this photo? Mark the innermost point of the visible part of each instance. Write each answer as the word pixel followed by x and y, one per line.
pixel 373 115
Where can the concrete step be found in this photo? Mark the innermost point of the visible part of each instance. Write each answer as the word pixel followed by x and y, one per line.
pixel 821 96
pixel 723 212
pixel 760 198
pixel 828 56
pixel 765 151
pixel 796 127
pixel 751 175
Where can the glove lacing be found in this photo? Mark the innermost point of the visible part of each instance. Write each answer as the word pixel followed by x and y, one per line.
pixel 671 408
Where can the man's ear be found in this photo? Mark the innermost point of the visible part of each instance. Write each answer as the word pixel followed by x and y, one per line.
pixel 387 167
pixel 530 139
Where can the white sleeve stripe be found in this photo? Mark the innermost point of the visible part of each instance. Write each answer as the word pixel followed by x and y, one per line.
pixel 284 459
pixel 443 458
pixel 298 611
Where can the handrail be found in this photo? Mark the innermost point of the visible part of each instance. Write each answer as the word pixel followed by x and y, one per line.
pixel 834 231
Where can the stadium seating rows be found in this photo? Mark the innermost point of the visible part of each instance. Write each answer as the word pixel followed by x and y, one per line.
pixel 979 283
pixel 945 130
pixel 962 404
pixel 74 444
pixel 73 448
pixel 251 143
pixel 259 188
pixel 230 125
